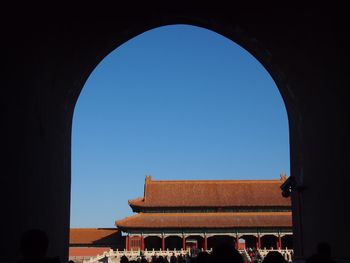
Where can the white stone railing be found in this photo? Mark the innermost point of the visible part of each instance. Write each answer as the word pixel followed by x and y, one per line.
pixel 114 256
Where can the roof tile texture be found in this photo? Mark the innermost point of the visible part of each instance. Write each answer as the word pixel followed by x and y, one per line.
pixel 93 236
pixel 87 251
pixel 207 220
pixel 211 193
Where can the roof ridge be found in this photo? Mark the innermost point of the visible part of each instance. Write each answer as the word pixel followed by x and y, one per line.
pixel 93 228
pixel 217 214
pixel 218 181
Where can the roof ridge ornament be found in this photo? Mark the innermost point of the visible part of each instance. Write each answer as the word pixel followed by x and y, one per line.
pixel 148 178
pixel 290 185
pixel 283 176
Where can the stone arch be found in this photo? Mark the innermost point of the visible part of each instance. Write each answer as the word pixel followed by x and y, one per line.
pixel 241 39
pixel 287 241
pixel 236 38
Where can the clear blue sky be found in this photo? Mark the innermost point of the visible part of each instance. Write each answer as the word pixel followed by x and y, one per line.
pixel 176 102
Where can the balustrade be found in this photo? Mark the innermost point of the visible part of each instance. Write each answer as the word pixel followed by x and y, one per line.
pixel 113 256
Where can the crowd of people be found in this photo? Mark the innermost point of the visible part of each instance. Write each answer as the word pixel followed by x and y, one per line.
pixel 255 256
pixel 34 245
pixel 223 253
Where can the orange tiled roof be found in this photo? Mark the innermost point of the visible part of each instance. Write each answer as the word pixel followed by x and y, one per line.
pixel 211 193
pixel 93 236
pixel 206 220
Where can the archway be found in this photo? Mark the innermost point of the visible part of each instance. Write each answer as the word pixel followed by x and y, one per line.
pixel 287 241
pixel 153 242
pixel 217 240
pixel 195 241
pixel 250 241
pixel 269 241
pixel 173 242
pixel 187 95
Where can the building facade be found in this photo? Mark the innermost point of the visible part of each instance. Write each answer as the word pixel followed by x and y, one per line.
pixel 203 213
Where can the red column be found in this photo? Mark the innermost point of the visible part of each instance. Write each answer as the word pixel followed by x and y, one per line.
pixel 236 244
pixel 142 243
pixel 183 242
pixel 279 242
pixel 163 242
pixel 127 242
pixel 205 246
pixel 258 242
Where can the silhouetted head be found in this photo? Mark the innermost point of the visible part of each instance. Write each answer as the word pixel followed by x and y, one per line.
pixel 173 258
pixel 226 253
pixel 34 244
pixel 160 259
pixel 124 259
pixel 203 257
pixel 274 257
pixel 324 249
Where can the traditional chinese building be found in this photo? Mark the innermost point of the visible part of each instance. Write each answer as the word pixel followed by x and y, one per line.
pixel 203 213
